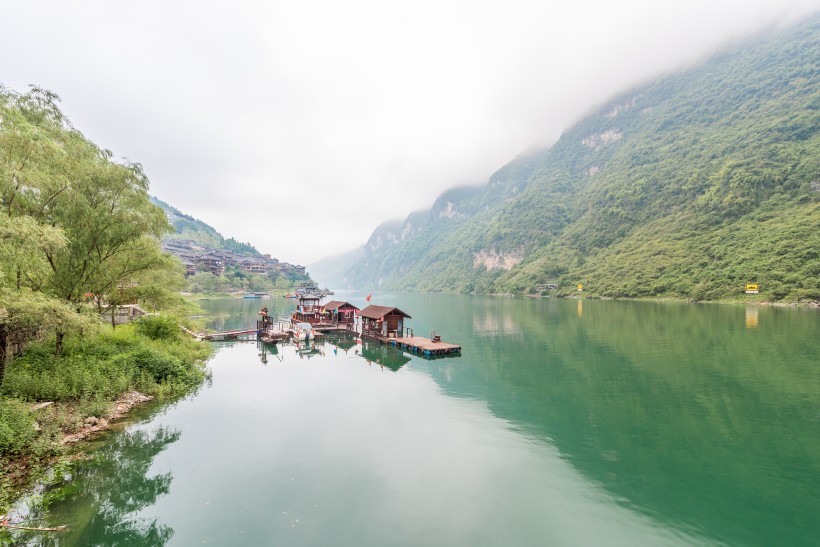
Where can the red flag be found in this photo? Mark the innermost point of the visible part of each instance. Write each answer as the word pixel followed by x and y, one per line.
pixel 369 296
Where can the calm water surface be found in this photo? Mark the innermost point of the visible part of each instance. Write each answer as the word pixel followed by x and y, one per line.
pixel 563 423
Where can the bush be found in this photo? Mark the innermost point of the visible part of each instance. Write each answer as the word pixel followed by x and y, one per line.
pixel 160 365
pixel 158 327
pixel 16 427
pixel 101 368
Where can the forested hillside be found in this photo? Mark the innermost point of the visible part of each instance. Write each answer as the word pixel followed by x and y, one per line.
pixel 188 227
pixel 689 186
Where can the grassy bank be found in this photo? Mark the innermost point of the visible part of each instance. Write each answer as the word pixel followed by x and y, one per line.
pixel 152 357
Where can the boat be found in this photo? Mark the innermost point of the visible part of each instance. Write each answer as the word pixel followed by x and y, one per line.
pixel 255 295
pixel 307 287
pixel 268 339
pixel 290 296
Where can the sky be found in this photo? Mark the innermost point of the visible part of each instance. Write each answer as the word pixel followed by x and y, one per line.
pixel 300 126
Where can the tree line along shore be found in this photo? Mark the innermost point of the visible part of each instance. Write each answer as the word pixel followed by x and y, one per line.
pixel 78 237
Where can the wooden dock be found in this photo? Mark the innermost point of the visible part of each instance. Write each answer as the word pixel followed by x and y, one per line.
pixel 424 346
pixel 228 335
pixel 343 328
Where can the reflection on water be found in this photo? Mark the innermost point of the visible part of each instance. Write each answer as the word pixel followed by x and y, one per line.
pixel 752 317
pixel 111 491
pixel 563 422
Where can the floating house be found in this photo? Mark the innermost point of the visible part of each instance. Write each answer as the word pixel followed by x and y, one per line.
pixel 338 312
pixel 307 308
pixel 382 322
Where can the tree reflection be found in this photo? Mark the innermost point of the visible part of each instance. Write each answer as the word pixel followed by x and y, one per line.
pixel 100 505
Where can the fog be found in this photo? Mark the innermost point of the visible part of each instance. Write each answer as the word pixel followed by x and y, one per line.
pixel 301 126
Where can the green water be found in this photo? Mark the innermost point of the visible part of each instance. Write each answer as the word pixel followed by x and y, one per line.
pixel 563 423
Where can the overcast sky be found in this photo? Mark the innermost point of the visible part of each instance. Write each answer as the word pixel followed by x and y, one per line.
pixel 300 126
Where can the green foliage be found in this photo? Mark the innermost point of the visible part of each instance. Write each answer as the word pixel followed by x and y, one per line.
pixel 16 427
pixel 158 327
pixel 188 227
pixel 75 225
pixel 687 187
pixel 104 367
pixel 234 279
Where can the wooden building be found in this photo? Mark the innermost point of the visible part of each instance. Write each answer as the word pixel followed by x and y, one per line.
pixel 338 312
pixel 212 263
pixel 383 322
pixel 307 308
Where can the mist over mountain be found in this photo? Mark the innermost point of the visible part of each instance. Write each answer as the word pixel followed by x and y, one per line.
pixel 688 186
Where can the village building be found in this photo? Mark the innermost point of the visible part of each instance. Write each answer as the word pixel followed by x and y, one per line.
pixel 212 263
pixel 255 266
pixel 338 312
pixel 382 322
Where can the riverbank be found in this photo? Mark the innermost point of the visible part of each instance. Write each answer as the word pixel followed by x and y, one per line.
pixel 49 403
pixel 62 425
pixel 194 296
pixel 813 304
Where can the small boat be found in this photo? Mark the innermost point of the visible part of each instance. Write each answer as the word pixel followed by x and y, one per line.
pixel 290 296
pixel 255 295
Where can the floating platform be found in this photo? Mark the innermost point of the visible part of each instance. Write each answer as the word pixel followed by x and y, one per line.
pixel 424 346
pixel 273 337
pixel 228 335
pixel 346 329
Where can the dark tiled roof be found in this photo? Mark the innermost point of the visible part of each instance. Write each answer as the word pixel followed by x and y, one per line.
pixel 375 312
pixel 336 304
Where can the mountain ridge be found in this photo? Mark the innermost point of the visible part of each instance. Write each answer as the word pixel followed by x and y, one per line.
pixel 725 146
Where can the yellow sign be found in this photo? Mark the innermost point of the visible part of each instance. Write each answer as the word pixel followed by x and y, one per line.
pixel 580 286
pixel 751 288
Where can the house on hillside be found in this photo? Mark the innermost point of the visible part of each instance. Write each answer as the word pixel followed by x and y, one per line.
pixel 382 322
pixel 212 263
pixel 255 266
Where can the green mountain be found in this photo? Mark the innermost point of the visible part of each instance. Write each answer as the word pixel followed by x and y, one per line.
pixel 188 227
pixel 689 186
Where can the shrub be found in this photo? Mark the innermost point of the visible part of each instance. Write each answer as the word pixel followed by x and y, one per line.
pixel 158 327
pixel 160 365
pixel 16 427
pixel 103 367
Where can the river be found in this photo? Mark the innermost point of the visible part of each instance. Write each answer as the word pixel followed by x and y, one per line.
pixel 563 422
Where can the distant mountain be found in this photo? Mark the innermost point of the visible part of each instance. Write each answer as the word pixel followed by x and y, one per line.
pixel 689 186
pixel 330 272
pixel 188 227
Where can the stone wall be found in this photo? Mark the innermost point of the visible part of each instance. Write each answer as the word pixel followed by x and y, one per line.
pixel 16 341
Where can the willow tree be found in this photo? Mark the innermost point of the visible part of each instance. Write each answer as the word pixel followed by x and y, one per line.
pixel 53 175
